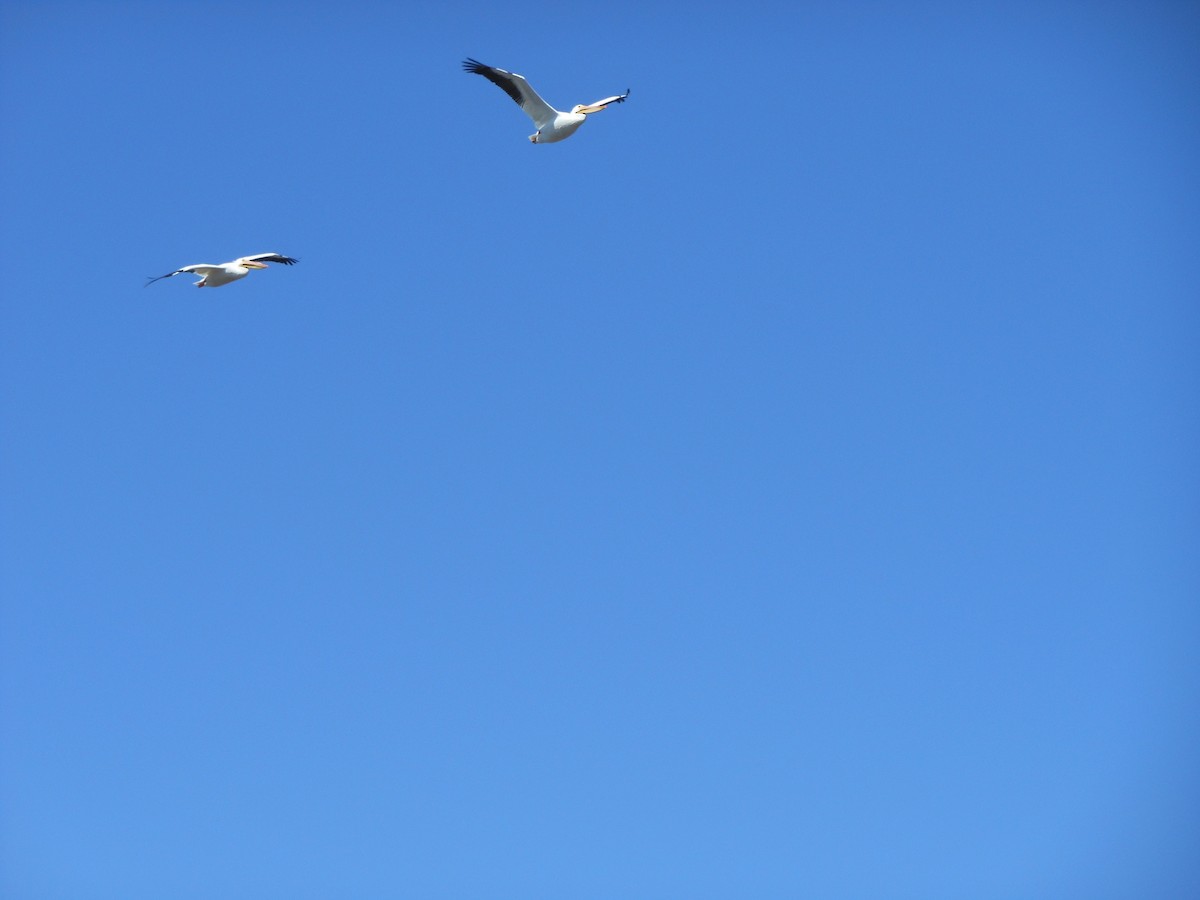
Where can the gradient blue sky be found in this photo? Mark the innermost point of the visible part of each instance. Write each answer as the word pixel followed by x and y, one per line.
pixel 786 487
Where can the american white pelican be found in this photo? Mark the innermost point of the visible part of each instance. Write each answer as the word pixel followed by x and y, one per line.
pixel 552 125
pixel 215 276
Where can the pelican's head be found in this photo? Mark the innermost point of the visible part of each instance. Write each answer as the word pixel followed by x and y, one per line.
pixel 252 264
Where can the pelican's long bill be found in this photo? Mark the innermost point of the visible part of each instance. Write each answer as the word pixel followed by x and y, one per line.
pixel 552 125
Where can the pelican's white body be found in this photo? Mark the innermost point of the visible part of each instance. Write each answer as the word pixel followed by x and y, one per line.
pixel 215 276
pixel 559 128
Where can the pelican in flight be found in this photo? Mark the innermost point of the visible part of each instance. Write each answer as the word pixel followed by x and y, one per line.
pixel 552 125
pixel 215 276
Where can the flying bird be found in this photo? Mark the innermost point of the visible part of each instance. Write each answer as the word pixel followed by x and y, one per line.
pixel 552 125
pixel 215 276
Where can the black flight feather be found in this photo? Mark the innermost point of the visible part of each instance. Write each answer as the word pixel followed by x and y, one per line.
pixel 495 76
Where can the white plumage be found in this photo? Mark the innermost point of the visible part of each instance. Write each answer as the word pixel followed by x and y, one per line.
pixel 551 124
pixel 217 275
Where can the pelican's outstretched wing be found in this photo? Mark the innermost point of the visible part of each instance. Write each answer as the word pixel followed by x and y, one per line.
pixel 199 269
pixel 516 87
pixel 272 257
pixel 600 104
pixel 150 279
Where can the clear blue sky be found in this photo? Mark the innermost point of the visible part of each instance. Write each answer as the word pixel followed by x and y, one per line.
pixel 786 487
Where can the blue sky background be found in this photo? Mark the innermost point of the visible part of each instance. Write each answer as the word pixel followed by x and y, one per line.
pixel 786 487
